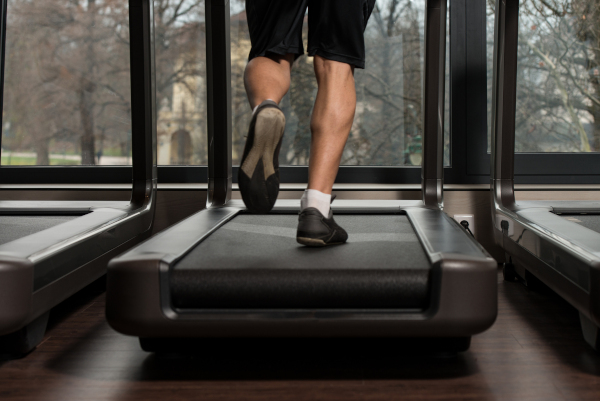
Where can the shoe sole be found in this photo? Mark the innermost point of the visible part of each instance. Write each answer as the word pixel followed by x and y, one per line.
pixel 315 242
pixel 268 133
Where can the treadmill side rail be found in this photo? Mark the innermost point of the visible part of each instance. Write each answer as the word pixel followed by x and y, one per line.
pixel 189 233
pixel 44 243
pixel 581 241
pixel 16 285
pixel 440 234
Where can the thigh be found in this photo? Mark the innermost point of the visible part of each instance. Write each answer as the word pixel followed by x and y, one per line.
pixel 275 25
pixel 336 29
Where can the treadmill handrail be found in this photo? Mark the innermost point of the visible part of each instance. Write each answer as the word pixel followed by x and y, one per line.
pixel 219 102
pixel 143 95
pixel 504 98
pixel 432 169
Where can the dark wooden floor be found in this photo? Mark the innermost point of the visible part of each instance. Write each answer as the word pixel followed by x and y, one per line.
pixel 534 351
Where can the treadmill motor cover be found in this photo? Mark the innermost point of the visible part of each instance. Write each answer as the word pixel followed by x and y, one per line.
pixel 254 261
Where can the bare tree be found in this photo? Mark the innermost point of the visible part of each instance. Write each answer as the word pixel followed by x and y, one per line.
pixel 558 92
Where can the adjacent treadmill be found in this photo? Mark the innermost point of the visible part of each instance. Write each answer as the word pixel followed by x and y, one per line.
pixel 50 250
pixel 556 241
pixel 408 270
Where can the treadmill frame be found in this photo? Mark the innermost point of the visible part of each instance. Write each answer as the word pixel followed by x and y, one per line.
pixel 40 270
pixel 139 302
pixel 536 239
pixel 138 299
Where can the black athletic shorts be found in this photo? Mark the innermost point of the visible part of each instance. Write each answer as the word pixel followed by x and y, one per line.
pixel 335 28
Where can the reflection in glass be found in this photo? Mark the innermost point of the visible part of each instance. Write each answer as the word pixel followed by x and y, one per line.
pixel 558 82
pixel 388 123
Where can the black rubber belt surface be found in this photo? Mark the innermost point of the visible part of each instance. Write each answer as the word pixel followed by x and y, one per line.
pixel 15 227
pixel 590 221
pixel 254 261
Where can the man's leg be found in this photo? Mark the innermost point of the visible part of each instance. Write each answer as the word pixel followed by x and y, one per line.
pixel 268 78
pixel 332 119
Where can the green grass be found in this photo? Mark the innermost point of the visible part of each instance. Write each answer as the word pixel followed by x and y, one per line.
pixel 112 152
pixel 31 161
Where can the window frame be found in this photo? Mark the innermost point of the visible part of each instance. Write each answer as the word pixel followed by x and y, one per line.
pixel 469 160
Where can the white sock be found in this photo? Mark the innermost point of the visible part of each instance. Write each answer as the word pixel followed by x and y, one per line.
pixel 316 199
pixel 254 111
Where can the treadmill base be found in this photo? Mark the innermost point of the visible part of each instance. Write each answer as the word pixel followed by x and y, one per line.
pixel 300 347
pixel 591 332
pixel 20 343
pixel 509 273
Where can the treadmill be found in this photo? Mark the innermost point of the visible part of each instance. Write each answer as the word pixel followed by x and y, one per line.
pixel 558 242
pixel 408 270
pixel 51 249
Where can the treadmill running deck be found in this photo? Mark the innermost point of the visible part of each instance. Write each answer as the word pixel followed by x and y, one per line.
pixel 590 221
pixel 255 262
pixel 15 227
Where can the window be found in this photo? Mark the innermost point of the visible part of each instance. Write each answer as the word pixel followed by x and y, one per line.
pixel 66 87
pixel 180 55
pixel 557 92
pixel 558 89
pixel 387 129
pixel 48 72
pixel 66 84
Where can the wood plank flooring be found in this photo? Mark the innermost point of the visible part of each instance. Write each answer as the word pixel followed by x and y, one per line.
pixel 535 351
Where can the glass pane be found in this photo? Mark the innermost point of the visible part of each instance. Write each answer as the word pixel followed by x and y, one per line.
pixel 387 128
pixel 558 83
pixel 66 87
pixel 447 132
pixel 180 51
pixel 489 50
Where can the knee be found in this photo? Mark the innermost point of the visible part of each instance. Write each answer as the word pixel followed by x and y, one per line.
pixel 325 68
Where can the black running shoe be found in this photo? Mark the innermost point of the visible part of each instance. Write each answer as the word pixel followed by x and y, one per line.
pixel 316 230
pixel 258 177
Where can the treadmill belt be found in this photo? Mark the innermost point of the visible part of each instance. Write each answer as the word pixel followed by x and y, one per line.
pixel 591 221
pixel 254 261
pixel 15 227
